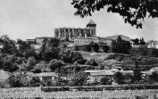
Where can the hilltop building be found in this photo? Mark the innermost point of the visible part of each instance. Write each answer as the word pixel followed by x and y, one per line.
pixel 69 34
pixel 152 44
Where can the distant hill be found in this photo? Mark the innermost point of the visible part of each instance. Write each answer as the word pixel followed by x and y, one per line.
pixel 114 37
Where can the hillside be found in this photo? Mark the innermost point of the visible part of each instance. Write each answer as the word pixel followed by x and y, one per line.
pixel 114 37
pixel 125 61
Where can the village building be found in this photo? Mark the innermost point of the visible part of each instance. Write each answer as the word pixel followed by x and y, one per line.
pixel 97 75
pixel 152 44
pixel 45 76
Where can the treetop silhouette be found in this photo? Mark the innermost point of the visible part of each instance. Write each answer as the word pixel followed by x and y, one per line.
pixel 133 11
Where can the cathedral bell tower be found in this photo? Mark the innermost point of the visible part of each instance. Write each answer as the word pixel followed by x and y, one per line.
pixel 92 26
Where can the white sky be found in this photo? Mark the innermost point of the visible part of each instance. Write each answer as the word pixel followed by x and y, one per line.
pixel 33 18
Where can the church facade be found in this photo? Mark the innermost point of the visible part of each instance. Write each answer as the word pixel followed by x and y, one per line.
pixel 70 34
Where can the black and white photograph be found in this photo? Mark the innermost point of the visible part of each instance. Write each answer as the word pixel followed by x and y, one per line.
pixel 78 49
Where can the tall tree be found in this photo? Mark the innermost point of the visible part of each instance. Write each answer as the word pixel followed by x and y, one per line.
pixel 132 11
pixel 137 72
pixel 9 46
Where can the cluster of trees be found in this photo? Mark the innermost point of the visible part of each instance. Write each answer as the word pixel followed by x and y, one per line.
pixel 139 41
pixel 20 56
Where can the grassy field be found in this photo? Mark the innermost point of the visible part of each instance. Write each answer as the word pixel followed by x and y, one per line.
pixel 16 93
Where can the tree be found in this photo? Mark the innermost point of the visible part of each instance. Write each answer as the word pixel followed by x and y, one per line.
pixel 56 65
pixel 25 49
pixel 119 78
pixel 9 63
pixel 133 11
pixel 31 62
pixel 105 81
pixel 41 67
pixel 137 72
pixel 136 41
pixel 71 57
pixel 91 62
pixel 79 79
pixel 142 42
pixel 94 46
pixel 106 48
pixel 50 49
pixel 19 80
pixel 153 76
pixel 35 81
pixel 9 46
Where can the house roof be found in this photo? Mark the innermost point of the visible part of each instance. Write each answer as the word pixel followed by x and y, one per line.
pixel 72 66
pixel 100 72
pixel 44 74
pixel 126 72
pixel 91 22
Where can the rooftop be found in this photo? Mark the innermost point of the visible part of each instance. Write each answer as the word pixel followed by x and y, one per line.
pixel 100 72
pixel 91 22
pixel 43 74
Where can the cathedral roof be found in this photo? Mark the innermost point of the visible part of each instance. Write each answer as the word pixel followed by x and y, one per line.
pixel 91 22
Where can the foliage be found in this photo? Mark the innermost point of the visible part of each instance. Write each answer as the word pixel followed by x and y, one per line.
pixel 9 63
pixel 153 77
pixel 41 67
pixel 139 41
pixel 48 54
pixel 49 49
pixel 137 73
pixel 56 65
pixel 31 62
pixel 79 79
pixel 9 46
pixel 35 81
pixel 93 47
pixel 71 57
pixel 19 80
pixel 91 62
pixel 132 11
pixel 23 47
pixel 119 78
pixel 106 48
pixel 105 81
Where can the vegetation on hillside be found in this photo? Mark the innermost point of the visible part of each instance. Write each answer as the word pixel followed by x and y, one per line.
pixel 21 57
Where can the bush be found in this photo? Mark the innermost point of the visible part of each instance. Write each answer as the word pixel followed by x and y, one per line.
pixel 19 80
pixel 119 78
pixel 79 79
pixel 105 81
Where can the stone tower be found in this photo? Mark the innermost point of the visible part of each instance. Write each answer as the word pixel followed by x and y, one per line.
pixel 92 26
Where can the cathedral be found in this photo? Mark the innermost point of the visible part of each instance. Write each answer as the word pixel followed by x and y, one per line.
pixel 70 34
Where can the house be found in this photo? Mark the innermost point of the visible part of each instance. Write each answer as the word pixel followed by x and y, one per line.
pixel 97 75
pixel 45 76
pixel 152 44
